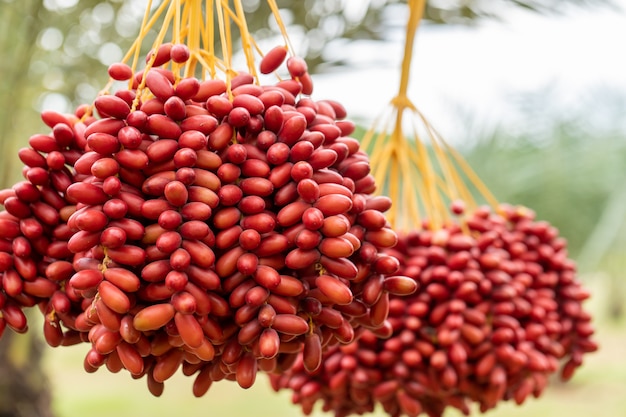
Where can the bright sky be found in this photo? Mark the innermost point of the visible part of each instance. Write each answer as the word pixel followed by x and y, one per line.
pixel 483 68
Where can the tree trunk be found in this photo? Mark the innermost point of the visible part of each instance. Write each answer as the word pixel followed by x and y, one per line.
pixel 24 388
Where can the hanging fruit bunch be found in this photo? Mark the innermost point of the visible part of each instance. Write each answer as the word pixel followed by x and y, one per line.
pixel 498 308
pixel 195 218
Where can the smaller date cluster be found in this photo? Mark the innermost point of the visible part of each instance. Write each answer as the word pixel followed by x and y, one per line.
pixel 498 311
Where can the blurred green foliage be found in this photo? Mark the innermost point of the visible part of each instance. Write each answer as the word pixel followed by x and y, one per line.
pixel 569 168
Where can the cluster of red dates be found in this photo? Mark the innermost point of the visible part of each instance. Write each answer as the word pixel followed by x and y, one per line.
pixel 218 227
pixel 497 312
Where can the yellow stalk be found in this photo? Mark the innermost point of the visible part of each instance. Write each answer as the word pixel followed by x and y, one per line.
pixel 133 51
pixel 161 35
pixel 394 180
pixel 191 14
pixel 367 138
pixel 281 25
pixel 229 13
pixel 256 46
pixel 245 39
pixel 186 18
pixel 410 196
pixel 384 162
pixel 176 31
pixel 473 177
pixel 416 11
pixel 461 191
pixel 225 42
pixel 431 180
pixel 450 184
pixel 135 48
pixel 155 47
pixel 199 56
pixel 209 35
pixel 420 157
pixel 390 151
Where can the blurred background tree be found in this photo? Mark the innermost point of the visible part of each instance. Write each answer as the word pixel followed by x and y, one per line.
pixel 54 54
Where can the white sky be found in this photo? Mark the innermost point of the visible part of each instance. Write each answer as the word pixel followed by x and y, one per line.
pixel 482 68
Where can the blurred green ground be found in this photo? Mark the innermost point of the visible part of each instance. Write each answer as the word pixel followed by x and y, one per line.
pixel 598 388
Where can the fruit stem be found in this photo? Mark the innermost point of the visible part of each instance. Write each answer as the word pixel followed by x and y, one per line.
pixel 281 25
pixel 208 36
pixel 246 39
pixel 416 11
